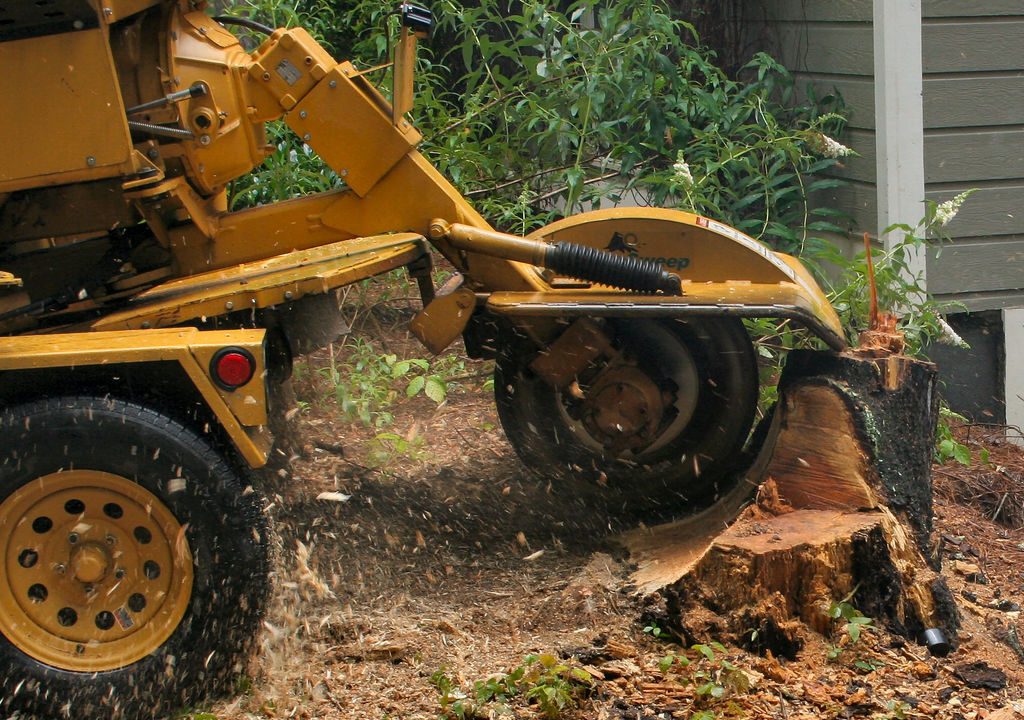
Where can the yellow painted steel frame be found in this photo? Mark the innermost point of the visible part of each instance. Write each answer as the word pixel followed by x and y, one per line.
pixel 279 279
pixel 242 412
pixel 392 187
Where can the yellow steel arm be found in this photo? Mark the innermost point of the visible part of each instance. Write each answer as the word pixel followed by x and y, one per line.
pixel 393 188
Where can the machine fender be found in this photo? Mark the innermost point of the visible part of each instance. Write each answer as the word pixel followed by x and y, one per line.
pixel 702 252
pixel 241 411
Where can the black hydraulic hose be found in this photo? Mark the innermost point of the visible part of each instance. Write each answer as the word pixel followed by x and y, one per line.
pixel 244 22
pixel 621 271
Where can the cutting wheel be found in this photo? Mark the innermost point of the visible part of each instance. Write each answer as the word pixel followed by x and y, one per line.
pixel 664 417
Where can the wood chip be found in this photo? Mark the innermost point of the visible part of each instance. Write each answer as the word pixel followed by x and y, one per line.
pixel 333 496
pixel 922 671
pixel 620 668
pixel 619 649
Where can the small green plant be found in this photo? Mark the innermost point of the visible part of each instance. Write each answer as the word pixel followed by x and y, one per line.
pixel 368 382
pixel 900 289
pixel 553 686
pixel 852 623
pixel 947 447
pixel 385 446
pixel 895 710
pixel 655 631
pixel 713 676
pixel 454 702
pixel 195 715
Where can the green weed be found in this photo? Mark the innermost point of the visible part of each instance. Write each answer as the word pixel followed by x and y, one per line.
pixel 366 383
pixel 852 623
pixel 386 446
pixel 655 631
pixel 542 680
pixel 947 447
pixel 704 666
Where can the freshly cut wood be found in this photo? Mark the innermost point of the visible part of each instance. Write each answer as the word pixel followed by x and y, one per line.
pixel 842 505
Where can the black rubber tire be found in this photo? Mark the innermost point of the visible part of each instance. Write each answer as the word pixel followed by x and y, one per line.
pixel 227 530
pixel 553 446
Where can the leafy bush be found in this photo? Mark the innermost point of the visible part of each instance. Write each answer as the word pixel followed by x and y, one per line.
pixel 535 112
pixel 900 290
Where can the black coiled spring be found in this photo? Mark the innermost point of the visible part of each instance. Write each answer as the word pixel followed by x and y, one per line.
pixel 621 271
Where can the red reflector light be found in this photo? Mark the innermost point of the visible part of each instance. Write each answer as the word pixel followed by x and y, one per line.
pixel 233 368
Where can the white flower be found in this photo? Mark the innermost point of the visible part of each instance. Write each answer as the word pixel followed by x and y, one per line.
pixel 949 335
pixel 831 148
pixel 681 171
pixel 946 211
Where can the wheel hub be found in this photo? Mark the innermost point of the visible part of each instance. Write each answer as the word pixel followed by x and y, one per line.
pixel 624 408
pixel 90 563
pixel 99 572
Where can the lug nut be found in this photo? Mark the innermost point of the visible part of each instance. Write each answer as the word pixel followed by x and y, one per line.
pixel 73 538
pixel 119 573
pixel 111 539
pixel 59 569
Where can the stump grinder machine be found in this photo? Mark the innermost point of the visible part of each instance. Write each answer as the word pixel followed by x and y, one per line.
pixel 143 324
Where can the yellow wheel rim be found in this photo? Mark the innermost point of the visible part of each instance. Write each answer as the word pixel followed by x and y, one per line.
pixel 99 573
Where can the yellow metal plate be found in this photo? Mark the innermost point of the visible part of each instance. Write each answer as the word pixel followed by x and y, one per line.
pixel 750 300
pixel 705 253
pixel 241 412
pixel 280 279
pixel 46 82
pixel 696 248
pixel 350 132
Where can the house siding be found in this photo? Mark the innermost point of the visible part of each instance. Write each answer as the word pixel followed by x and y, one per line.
pixel 828 44
pixel 973 58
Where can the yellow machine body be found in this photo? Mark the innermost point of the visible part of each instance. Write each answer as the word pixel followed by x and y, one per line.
pixel 132 119
pixel 620 355
pixel 241 411
pixel 123 174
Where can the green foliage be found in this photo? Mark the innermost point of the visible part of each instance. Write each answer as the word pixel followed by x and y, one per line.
pixel 655 631
pixel 900 289
pixel 534 113
pixel 292 171
pixel 896 710
pixel 947 447
pixel 195 715
pixel 705 667
pixel 703 715
pixel 319 17
pixel 772 341
pixel 852 623
pixel 554 687
pixel 367 382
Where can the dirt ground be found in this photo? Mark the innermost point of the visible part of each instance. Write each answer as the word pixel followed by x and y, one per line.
pixel 451 557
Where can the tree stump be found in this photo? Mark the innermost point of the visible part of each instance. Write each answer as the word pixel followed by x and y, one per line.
pixel 843 507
